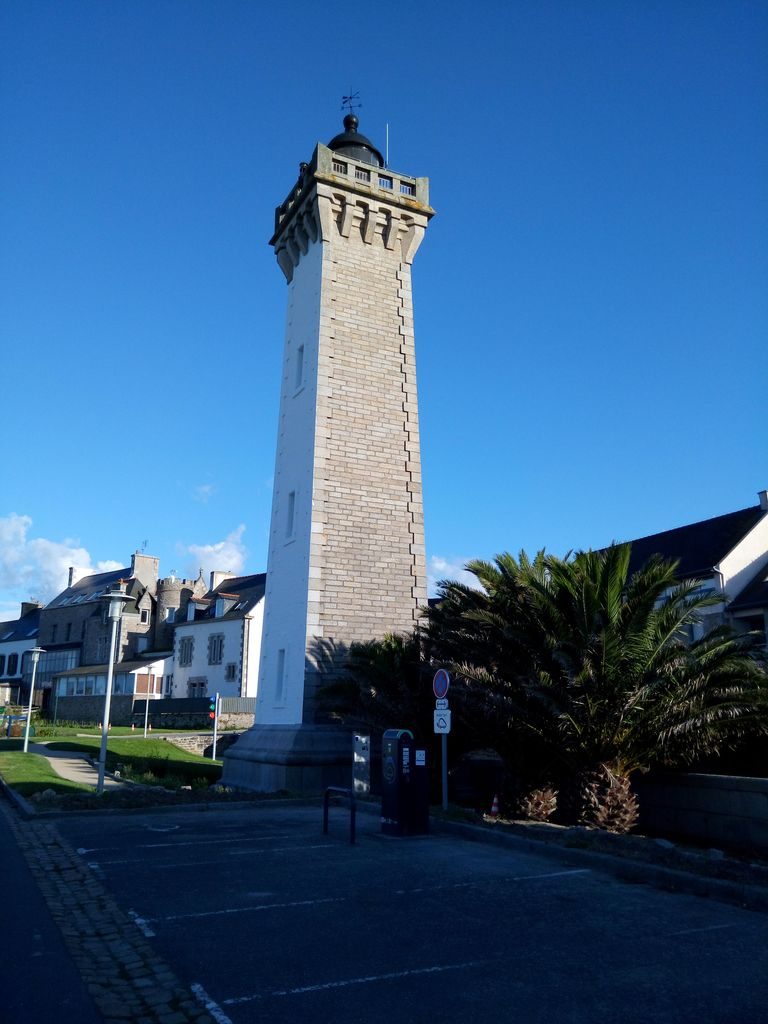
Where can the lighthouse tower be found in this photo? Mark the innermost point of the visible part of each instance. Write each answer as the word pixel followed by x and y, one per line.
pixel 346 549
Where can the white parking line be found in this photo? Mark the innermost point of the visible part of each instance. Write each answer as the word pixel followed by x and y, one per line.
pixel 212 1007
pixel 475 884
pixel 704 928
pixel 248 910
pixel 200 842
pixel 365 980
pixel 141 924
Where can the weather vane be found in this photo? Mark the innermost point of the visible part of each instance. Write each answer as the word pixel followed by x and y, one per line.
pixel 351 102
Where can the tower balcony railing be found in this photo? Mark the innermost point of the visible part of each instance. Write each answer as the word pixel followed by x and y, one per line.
pixel 327 164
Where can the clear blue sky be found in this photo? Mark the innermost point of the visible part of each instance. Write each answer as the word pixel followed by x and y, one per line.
pixel 591 303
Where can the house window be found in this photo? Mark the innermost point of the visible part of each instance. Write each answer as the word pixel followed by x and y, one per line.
pixel 2 664
pixel 215 648
pixel 68 631
pixel 82 631
pixel 197 687
pixel 406 189
pixel 54 631
pixel 384 181
pixel 170 615
pixel 280 680
pixel 299 375
pixel 290 518
pixel 339 167
pixel 362 175
pixel 169 684
pixel 144 618
pixel 230 672
pixel 13 664
pixel 186 647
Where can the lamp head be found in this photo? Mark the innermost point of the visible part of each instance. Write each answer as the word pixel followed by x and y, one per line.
pixel 117 598
pixel 35 654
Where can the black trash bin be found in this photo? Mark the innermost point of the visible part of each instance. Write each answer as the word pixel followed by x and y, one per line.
pixel 404 785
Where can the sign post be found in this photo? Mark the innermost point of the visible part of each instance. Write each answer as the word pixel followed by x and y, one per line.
pixel 214 714
pixel 440 685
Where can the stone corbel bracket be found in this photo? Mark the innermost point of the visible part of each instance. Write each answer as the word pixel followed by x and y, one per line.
pixel 328 213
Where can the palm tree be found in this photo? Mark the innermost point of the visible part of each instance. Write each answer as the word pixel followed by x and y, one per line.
pixel 595 672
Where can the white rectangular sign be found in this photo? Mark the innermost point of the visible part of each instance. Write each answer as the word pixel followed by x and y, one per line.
pixel 442 722
pixel 441 704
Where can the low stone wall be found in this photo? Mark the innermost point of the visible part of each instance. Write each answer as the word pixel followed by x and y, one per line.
pixel 202 743
pixel 190 719
pixel 718 810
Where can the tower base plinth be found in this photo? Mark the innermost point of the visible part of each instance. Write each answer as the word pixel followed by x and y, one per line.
pixel 301 759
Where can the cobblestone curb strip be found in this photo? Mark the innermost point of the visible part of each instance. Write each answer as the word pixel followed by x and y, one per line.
pixel 122 971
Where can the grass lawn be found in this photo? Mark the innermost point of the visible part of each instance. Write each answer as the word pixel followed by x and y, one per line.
pixel 151 762
pixel 30 773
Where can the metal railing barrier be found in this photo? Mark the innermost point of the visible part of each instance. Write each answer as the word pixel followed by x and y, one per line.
pixel 341 791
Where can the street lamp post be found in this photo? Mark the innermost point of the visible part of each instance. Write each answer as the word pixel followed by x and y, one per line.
pixel 116 598
pixel 35 652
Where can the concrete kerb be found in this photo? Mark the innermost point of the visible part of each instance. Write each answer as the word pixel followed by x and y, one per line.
pixel 750 895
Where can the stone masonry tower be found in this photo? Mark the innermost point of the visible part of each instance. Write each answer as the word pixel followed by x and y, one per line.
pixel 346 550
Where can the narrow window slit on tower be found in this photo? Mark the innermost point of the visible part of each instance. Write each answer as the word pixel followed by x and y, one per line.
pixel 339 167
pixel 299 378
pixel 290 515
pixel 406 189
pixel 362 175
pixel 280 677
pixel 384 182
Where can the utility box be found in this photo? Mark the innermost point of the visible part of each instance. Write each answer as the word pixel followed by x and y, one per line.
pixel 404 785
pixel 361 765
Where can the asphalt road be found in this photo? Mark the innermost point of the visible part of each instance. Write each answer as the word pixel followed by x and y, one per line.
pixel 269 920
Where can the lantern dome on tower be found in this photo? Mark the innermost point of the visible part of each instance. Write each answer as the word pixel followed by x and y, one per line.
pixel 352 144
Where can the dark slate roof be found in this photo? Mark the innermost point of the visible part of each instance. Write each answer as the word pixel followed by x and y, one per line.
pixel 90 588
pixel 754 595
pixel 25 628
pixel 245 591
pixel 700 546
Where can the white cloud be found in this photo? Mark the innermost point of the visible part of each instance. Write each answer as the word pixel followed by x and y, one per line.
pixel 440 568
pixel 35 567
pixel 204 492
pixel 227 555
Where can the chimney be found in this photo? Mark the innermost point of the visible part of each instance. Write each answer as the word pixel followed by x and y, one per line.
pixel 763 496
pixel 145 568
pixel 75 575
pixel 30 606
pixel 218 576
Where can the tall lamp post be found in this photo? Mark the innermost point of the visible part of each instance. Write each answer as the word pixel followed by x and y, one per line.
pixel 35 653
pixel 117 599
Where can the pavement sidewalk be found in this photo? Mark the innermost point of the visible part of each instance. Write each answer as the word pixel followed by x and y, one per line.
pixel 73 765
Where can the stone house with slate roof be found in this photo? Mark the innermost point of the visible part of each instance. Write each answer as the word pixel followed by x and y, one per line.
pixel 217 648
pixel 75 633
pixel 729 554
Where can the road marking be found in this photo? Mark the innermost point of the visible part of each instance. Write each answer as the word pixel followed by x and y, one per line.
pixel 492 882
pixel 248 910
pixel 212 1007
pixel 82 850
pixel 705 928
pixel 141 924
pixel 365 980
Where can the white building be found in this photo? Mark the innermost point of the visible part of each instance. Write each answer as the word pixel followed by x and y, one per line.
pixel 16 638
pixel 216 650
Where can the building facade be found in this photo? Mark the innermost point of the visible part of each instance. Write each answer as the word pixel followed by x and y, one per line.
pixel 216 648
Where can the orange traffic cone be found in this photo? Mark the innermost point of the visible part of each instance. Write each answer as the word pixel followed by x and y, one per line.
pixel 495 807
